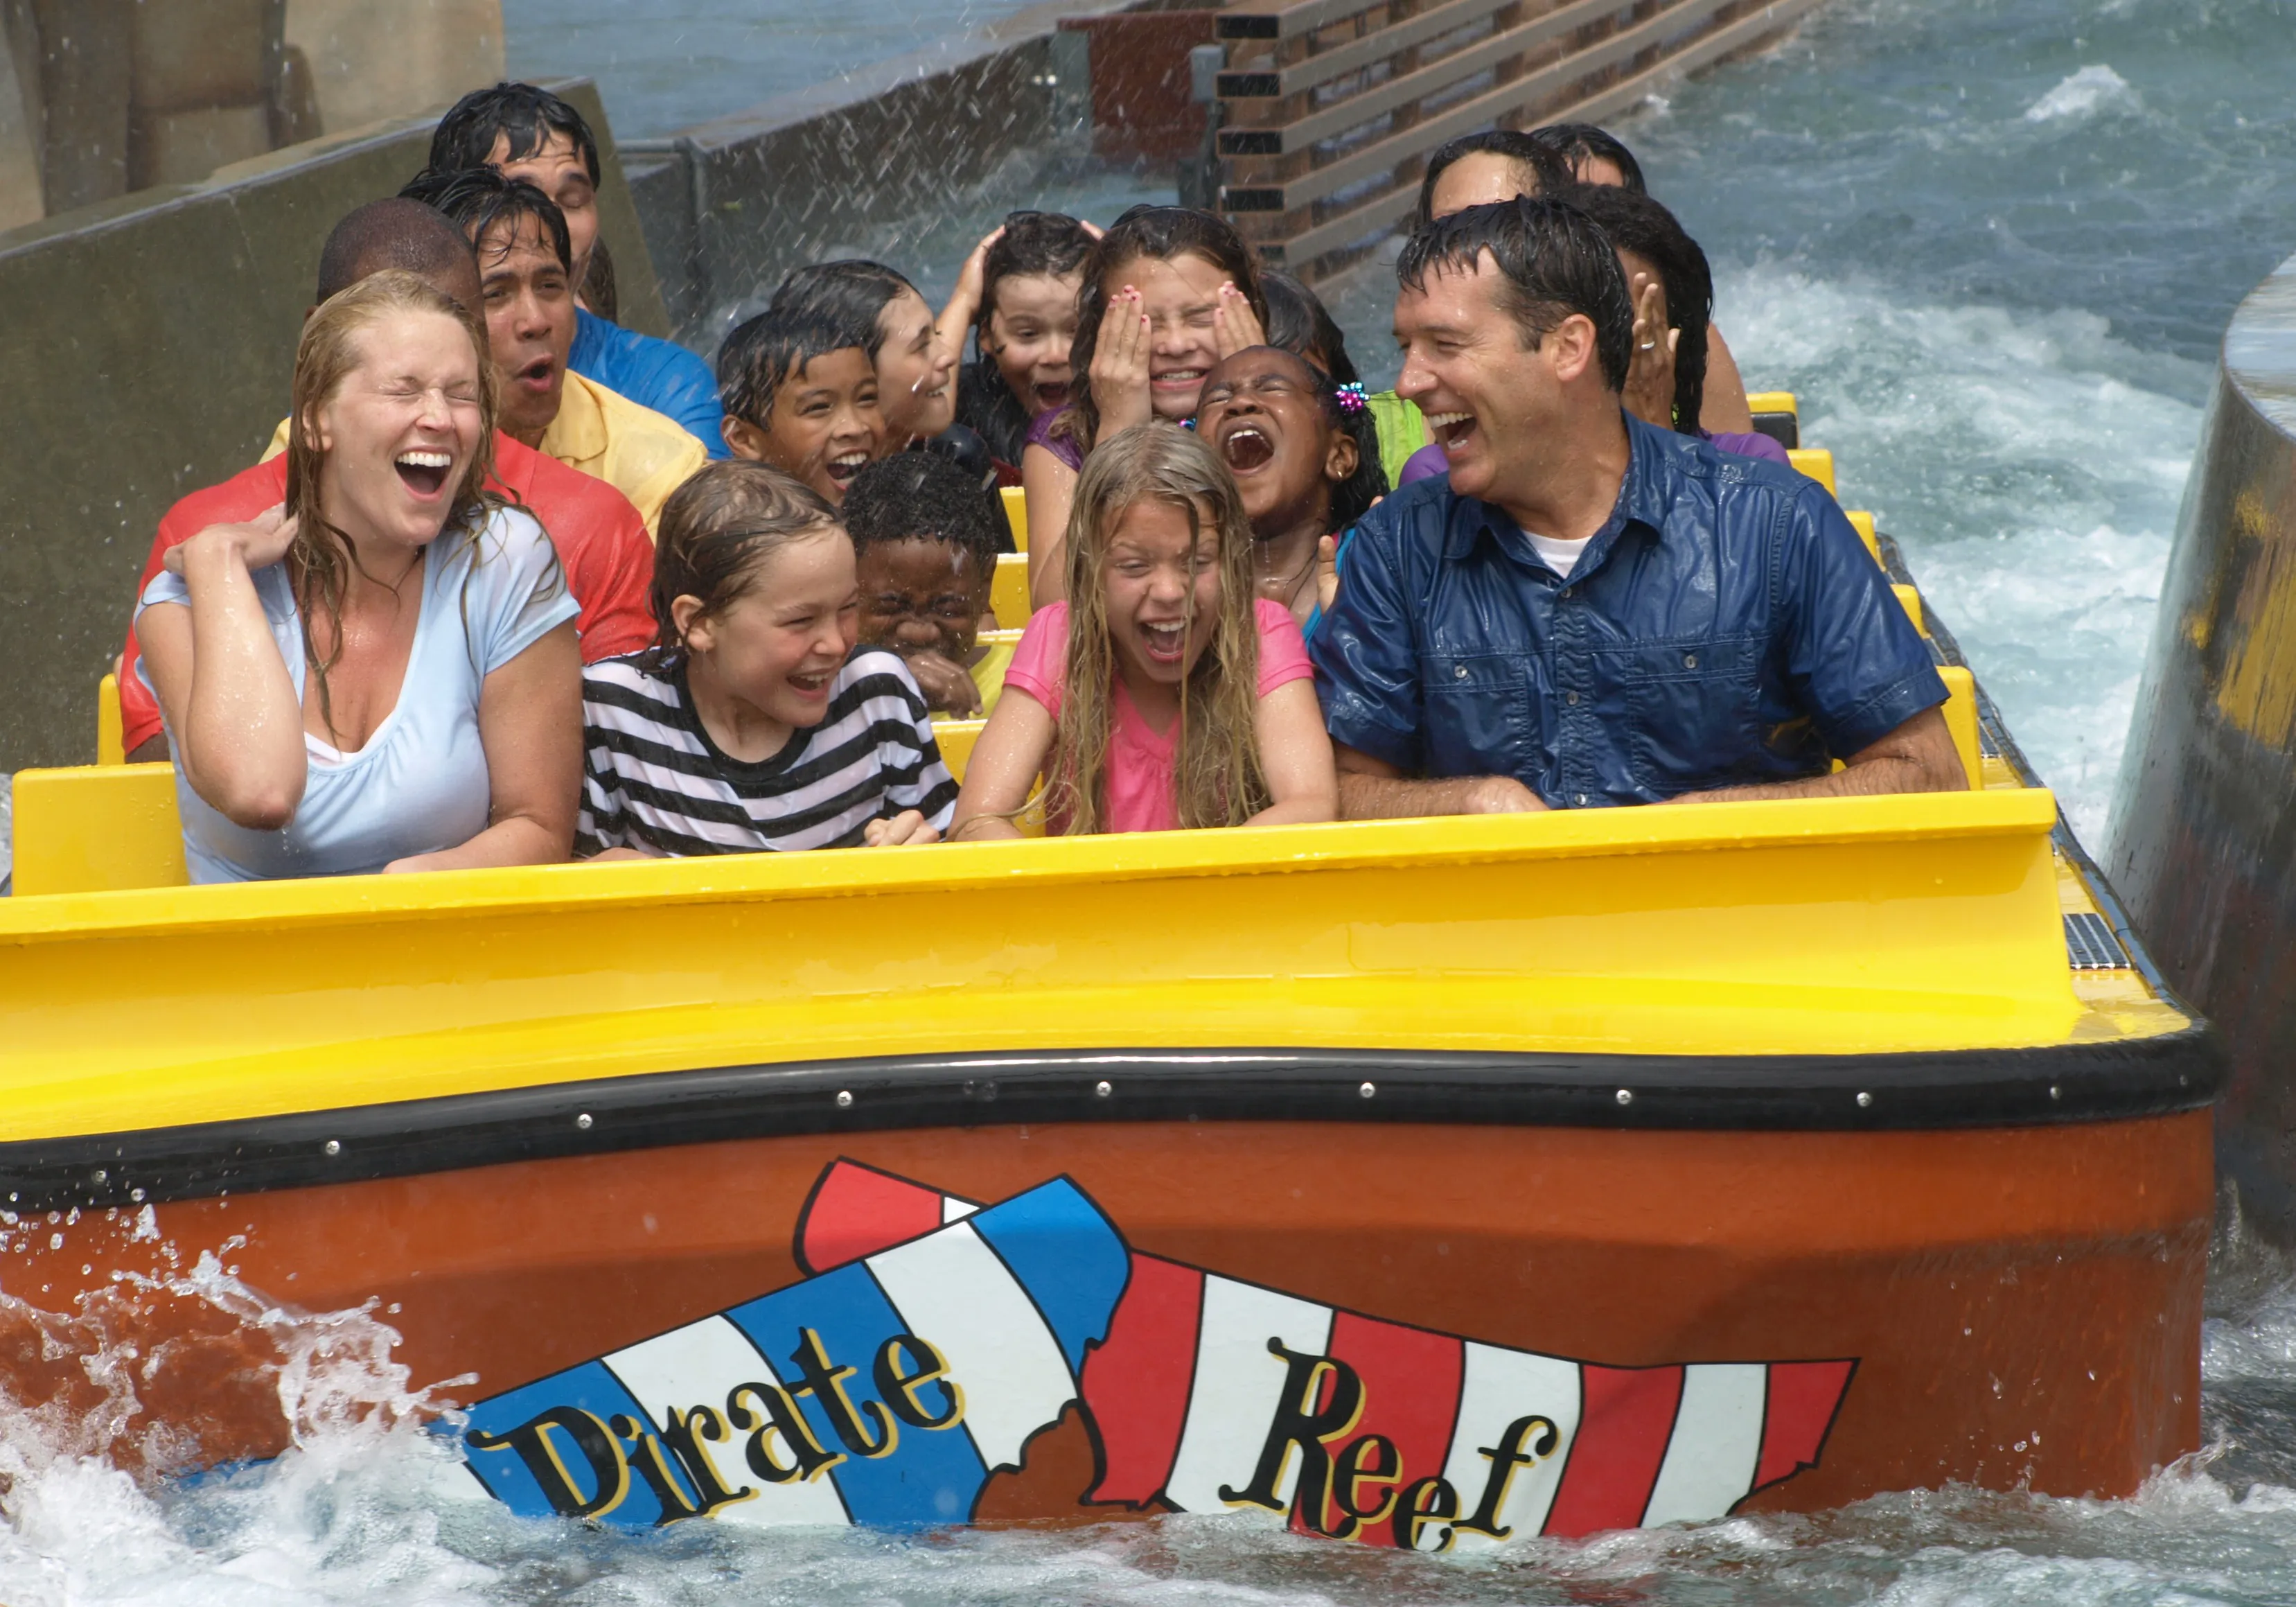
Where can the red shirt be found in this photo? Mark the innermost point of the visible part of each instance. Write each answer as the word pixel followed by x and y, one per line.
pixel 600 542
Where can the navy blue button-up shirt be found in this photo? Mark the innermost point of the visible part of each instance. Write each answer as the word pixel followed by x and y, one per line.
pixel 1724 626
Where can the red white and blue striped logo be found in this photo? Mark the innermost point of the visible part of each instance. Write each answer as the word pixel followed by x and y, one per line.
pixel 936 1337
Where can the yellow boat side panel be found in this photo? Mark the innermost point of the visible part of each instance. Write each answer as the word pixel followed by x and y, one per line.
pixel 1911 598
pixel 1818 462
pixel 1008 598
pixel 1774 401
pixel 96 829
pixel 1849 925
pixel 1016 514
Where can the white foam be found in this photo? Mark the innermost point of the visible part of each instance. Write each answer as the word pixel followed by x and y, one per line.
pixel 2083 94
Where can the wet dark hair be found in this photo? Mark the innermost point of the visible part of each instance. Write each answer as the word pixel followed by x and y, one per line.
pixel 393 234
pixel 1050 243
pixel 757 358
pixel 1575 143
pixel 1299 322
pixel 1160 234
pixel 1555 260
pixel 923 496
pixel 528 115
pixel 962 444
pixel 852 294
pixel 1637 224
pixel 478 198
pixel 1546 172
pixel 717 531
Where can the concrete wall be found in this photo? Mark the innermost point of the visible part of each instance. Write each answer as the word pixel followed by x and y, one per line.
pixel 731 206
pixel 150 349
pixel 2203 840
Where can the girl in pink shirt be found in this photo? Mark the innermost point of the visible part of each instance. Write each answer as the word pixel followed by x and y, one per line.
pixel 1161 695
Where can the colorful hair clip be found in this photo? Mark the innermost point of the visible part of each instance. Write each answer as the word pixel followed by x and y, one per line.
pixel 1351 398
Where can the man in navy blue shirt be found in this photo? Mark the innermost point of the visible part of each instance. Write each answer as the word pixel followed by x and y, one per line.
pixel 529 133
pixel 1589 611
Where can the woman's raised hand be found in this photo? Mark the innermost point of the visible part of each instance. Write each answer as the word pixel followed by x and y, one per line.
pixel 1650 375
pixel 1235 327
pixel 1120 363
pixel 261 541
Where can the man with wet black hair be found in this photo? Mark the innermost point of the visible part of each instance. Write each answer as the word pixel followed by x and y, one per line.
pixel 1474 170
pixel 526 265
pixel 526 132
pixel 1589 155
pixel 1588 610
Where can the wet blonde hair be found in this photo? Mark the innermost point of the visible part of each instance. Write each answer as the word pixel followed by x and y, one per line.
pixel 1217 774
pixel 322 559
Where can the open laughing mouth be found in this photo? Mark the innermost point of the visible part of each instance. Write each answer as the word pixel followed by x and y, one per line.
pixel 1049 397
pixel 1246 447
pixel 424 473
pixel 1450 430
pixel 845 465
pixel 536 375
pixel 1179 379
pixel 813 687
pixel 1166 644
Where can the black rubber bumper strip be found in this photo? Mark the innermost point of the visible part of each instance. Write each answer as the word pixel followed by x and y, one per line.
pixel 1842 1093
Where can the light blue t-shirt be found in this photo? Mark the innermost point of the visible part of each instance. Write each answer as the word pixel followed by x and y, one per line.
pixel 420 783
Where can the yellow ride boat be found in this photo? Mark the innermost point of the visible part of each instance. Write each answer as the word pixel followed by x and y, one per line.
pixel 1419 1183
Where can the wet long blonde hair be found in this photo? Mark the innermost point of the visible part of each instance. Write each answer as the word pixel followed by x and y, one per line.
pixel 322 559
pixel 1217 776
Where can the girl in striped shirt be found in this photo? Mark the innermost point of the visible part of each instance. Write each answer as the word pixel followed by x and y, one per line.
pixel 754 725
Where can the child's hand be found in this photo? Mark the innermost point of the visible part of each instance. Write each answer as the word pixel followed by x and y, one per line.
pixel 1649 376
pixel 1235 327
pixel 948 685
pixel 1120 363
pixel 1328 571
pixel 908 829
pixel 955 321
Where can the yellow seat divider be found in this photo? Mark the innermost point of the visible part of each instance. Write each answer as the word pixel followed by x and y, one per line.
pixel 955 739
pixel 1774 401
pixel 1016 514
pixel 1818 462
pixel 1961 720
pixel 110 744
pixel 97 829
pixel 1009 595
pixel 1862 522
pixel 1911 600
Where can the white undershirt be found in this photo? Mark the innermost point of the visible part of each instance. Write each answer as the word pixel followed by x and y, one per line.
pixel 1562 556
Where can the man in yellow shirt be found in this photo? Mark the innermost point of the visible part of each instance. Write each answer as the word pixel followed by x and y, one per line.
pixel 526 263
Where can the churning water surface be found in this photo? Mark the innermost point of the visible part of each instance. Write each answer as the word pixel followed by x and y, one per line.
pixel 1992 243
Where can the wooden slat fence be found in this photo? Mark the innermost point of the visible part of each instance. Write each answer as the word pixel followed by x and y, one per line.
pixel 1329 108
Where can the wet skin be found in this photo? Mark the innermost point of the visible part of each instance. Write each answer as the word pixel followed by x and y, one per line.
pixel 825 423
pixel 1029 335
pixel 1480 178
pixel 917 379
pixel 557 170
pixel 922 599
pixel 530 307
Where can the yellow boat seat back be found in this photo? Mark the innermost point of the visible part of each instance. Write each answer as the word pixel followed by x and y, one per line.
pixel 957 738
pixel 1016 514
pixel 1911 600
pixel 1009 595
pixel 1816 463
pixel 97 829
pixel 1961 720
pixel 1777 414
pixel 1863 523
pixel 111 740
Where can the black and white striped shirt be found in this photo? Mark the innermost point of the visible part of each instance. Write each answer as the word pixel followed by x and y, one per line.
pixel 652 780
